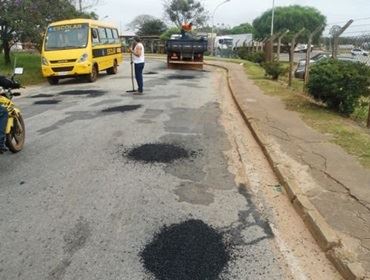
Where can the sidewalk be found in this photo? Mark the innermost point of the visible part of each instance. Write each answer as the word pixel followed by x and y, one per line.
pixel 328 187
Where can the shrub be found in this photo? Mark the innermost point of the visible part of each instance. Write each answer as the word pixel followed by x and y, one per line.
pixel 256 57
pixel 339 84
pixel 274 69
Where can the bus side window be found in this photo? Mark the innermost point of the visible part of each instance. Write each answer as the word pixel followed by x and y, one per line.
pixel 110 36
pixel 95 36
pixel 115 36
pixel 103 36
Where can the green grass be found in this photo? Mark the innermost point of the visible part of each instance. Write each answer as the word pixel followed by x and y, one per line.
pixel 345 132
pixel 31 64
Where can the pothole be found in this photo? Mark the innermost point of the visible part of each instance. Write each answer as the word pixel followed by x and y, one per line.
pixel 46 102
pixel 180 77
pixel 122 109
pixel 42 95
pixel 158 153
pixel 186 251
pixel 90 93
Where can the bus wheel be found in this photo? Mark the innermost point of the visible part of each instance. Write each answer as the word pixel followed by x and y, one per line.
pixel 93 76
pixel 113 70
pixel 53 80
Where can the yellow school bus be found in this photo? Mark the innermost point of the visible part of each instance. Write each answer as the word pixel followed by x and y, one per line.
pixel 80 48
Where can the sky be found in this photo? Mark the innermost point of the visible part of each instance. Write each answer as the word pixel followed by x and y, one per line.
pixel 121 12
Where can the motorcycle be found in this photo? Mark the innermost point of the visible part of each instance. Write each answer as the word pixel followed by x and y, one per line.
pixel 15 129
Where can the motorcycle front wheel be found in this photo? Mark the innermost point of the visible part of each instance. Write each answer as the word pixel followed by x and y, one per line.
pixel 15 139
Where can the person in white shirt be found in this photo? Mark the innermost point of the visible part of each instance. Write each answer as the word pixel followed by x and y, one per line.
pixel 139 62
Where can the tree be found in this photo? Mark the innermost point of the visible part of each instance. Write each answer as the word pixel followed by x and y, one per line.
pixel 242 29
pixel 138 21
pixel 84 5
pixel 152 27
pixel 180 11
pixel 292 18
pixel 169 32
pixel 26 20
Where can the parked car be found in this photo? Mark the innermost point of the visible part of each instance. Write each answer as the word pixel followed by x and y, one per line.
pixel 301 68
pixel 358 51
pixel 301 48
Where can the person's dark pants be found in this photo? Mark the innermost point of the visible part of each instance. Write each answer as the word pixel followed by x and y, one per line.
pixel 3 122
pixel 139 67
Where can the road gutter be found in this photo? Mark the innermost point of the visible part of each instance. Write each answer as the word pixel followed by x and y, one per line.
pixel 326 237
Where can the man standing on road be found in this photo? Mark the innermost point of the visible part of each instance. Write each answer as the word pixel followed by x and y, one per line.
pixel 3 121
pixel 139 62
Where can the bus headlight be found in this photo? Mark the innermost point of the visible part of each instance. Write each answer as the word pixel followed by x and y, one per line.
pixel 83 57
pixel 44 61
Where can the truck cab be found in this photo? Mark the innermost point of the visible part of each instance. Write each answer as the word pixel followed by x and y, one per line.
pixel 224 46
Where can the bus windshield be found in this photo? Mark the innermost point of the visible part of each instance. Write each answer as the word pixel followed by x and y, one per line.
pixel 69 36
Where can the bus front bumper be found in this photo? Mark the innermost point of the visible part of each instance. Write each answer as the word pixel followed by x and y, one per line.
pixel 63 71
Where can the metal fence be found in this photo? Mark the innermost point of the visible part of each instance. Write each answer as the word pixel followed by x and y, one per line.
pixel 353 42
pixel 347 40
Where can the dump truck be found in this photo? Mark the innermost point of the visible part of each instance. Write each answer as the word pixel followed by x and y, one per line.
pixel 186 51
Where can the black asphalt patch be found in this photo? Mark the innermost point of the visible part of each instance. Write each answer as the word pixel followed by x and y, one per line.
pixel 122 109
pixel 191 250
pixel 180 77
pixel 42 95
pixel 158 153
pixel 89 93
pixel 46 102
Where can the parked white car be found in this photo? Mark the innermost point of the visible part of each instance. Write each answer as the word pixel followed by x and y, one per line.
pixel 358 51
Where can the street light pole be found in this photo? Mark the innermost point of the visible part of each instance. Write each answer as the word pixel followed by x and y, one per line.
pixel 273 17
pixel 213 24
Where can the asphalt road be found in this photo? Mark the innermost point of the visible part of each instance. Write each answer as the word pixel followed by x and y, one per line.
pixel 298 56
pixel 74 206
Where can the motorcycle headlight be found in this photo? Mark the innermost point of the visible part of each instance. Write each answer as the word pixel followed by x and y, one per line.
pixel 83 57
pixel 44 61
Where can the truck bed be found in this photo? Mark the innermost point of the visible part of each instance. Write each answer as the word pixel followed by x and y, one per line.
pixel 186 51
pixel 187 46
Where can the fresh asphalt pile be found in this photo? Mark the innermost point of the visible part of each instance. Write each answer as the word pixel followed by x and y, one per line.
pixel 180 77
pixel 87 92
pixel 42 95
pixel 191 250
pixel 158 153
pixel 122 109
pixel 46 102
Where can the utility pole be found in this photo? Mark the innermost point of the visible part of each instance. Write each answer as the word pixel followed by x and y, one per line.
pixel 336 38
pixel 213 25
pixel 272 17
pixel 291 59
pixel 308 55
pixel 80 5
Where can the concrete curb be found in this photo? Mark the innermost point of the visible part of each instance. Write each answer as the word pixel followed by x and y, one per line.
pixel 326 237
